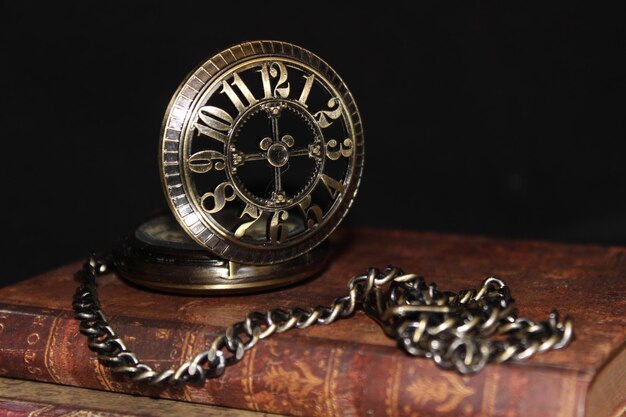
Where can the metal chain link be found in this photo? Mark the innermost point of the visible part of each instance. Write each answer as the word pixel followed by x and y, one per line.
pixel 461 331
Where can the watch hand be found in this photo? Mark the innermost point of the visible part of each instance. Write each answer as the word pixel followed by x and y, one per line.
pixel 275 136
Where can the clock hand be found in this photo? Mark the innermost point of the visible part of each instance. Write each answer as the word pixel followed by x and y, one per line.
pixel 275 115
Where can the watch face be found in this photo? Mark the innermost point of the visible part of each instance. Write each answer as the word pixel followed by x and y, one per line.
pixel 164 232
pixel 261 152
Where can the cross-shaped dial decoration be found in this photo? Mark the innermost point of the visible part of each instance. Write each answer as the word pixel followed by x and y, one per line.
pixel 277 154
pixel 262 152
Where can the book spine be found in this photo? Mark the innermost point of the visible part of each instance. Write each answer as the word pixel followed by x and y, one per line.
pixel 286 374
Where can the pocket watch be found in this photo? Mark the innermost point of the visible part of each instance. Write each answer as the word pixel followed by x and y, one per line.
pixel 261 155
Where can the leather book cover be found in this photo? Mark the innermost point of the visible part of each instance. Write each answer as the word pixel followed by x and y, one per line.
pixel 349 368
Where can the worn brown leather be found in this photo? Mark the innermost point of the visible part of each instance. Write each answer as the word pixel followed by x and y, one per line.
pixel 350 367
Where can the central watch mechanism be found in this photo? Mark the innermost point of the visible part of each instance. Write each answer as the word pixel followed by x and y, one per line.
pixel 261 157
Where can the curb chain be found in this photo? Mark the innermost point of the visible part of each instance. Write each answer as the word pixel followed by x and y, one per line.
pixel 461 331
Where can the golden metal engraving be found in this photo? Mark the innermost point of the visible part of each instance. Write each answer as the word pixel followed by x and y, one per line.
pixel 261 152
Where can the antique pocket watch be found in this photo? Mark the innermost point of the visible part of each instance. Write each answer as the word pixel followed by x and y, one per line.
pixel 261 155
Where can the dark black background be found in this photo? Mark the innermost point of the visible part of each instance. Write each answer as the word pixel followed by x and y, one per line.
pixel 502 119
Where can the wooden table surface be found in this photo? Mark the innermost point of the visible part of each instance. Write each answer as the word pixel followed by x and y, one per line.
pixel 29 398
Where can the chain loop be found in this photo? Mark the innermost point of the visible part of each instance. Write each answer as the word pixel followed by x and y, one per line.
pixel 462 331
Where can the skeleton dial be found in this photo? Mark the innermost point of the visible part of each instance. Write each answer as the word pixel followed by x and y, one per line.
pixel 261 152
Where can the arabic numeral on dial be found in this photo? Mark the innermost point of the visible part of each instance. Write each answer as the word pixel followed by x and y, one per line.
pixel 335 150
pixel 325 118
pixel 313 214
pixel 278 231
pixel 306 90
pixel 219 197
pixel 232 95
pixel 269 71
pixel 252 212
pixel 333 186
pixel 204 161
pixel 216 123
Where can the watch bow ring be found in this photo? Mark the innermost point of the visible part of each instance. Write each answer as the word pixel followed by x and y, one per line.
pixel 261 152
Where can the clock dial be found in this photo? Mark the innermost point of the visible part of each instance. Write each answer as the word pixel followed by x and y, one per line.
pixel 261 152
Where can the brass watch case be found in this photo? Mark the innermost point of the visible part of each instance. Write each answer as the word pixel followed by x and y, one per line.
pixel 161 256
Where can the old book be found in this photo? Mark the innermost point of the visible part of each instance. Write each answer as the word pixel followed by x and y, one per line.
pixel 350 368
